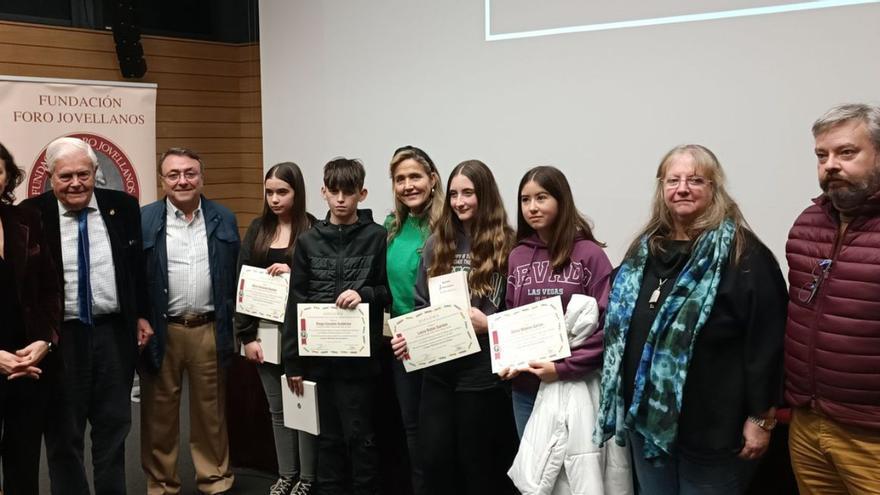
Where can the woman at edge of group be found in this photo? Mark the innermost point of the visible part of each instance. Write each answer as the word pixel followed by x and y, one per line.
pixel 551 230
pixel 696 312
pixel 465 420
pixel 30 306
pixel 268 243
pixel 418 201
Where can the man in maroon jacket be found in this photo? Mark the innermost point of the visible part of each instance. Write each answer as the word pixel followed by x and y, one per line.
pixel 832 343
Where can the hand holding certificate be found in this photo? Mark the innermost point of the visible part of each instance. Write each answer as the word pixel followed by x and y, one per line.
pixel 326 330
pixel 435 335
pixel 262 295
pixel 534 332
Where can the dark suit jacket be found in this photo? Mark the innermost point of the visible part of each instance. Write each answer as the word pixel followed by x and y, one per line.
pixel 122 218
pixel 223 246
pixel 39 294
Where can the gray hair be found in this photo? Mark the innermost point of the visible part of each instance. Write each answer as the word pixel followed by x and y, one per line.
pixel 66 146
pixel 869 114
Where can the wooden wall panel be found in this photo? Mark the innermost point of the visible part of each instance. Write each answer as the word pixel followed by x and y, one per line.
pixel 208 96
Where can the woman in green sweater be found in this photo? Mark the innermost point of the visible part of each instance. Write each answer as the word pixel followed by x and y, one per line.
pixel 418 200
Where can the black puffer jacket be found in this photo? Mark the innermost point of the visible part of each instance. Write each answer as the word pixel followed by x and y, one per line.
pixel 328 260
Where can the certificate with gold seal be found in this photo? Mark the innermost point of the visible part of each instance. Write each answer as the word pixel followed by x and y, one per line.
pixel 329 331
pixel 532 332
pixel 262 295
pixel 435 335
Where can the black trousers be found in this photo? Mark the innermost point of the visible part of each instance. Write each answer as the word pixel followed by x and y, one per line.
pixel 409 395
pixel 345 409
pixel 467 439
pixel 23 406
pixel 94 386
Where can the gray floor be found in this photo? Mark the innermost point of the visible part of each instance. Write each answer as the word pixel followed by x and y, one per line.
pixel 246 481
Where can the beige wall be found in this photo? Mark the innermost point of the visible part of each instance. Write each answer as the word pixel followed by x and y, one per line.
pixel 208 96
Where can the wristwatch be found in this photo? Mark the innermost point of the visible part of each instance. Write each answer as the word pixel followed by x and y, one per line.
pixel 766 424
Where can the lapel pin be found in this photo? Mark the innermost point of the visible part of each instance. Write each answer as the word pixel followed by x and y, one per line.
pixel 112 212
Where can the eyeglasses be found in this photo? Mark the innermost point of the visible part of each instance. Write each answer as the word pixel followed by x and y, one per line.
pixel 82 176
pixel 694 181
pixel 808 291
pixel 189 175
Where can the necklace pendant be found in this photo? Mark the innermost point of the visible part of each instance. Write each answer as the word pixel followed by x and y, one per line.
pixel 655 296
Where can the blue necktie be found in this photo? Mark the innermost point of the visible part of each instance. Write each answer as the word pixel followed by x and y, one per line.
pixel 84 284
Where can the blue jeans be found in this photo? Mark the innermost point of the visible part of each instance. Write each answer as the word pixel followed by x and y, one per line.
pixel 523 403
pixel 678 475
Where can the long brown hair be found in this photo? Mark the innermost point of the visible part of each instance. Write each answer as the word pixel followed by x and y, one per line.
pixel 432 211
pixel 300 221
pixel 569 221
pixel 721 206
pixel 490 233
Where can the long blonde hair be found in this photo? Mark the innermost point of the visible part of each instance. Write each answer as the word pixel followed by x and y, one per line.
pixel 492 237
pixel 721 206
pixel 401 211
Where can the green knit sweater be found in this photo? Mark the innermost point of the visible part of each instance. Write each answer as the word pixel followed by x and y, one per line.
pixel 403 255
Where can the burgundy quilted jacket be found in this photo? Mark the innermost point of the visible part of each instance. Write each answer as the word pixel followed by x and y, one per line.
pixel 832 338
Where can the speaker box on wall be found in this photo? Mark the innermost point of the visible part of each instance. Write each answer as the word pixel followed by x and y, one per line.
pixel 127 36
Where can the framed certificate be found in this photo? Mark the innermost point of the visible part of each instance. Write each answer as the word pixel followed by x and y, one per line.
pixel 262 295
pixel 533 332
pixel 326 330
pixel 269 337
pixel 435 335
pixel 301 412
pixel 451 288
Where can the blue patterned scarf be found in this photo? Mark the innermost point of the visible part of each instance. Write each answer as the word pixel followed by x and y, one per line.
pixel 663 367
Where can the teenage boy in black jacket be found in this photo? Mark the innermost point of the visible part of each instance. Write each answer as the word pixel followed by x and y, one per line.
pixel 341 260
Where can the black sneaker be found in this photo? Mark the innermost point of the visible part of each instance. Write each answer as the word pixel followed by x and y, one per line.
pixel 282 486
pixel 302 488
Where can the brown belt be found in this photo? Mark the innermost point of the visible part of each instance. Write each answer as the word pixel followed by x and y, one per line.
pixel 190 321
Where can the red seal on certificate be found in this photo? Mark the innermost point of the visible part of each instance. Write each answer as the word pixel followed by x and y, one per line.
pixel 302 331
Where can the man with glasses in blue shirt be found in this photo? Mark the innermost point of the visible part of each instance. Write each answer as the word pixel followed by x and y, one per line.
pixel 191 247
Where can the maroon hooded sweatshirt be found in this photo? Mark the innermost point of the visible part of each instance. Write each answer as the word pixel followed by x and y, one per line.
pixel 530 278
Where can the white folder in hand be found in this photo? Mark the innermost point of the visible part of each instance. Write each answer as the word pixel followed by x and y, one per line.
pixel 269 337
pixel 301 412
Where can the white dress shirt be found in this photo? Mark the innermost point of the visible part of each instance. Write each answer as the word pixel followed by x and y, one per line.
pixel 189 273
pixel 102 273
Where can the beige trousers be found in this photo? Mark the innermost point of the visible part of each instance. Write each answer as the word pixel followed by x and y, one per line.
pixel 192 351
pixel 830 458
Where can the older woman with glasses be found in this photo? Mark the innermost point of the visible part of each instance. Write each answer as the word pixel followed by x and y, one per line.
pixel 30 306
pixel 693 338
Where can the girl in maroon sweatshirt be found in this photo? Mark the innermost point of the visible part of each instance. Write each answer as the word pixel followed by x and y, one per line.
pixel 556 255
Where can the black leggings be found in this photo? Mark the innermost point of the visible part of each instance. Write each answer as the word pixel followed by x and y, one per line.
pixel 468 439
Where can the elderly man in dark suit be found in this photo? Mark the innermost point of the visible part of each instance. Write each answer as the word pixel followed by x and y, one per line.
pixel 95 237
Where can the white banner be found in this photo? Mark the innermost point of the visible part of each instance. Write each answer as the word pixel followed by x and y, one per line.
pixel 117 119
